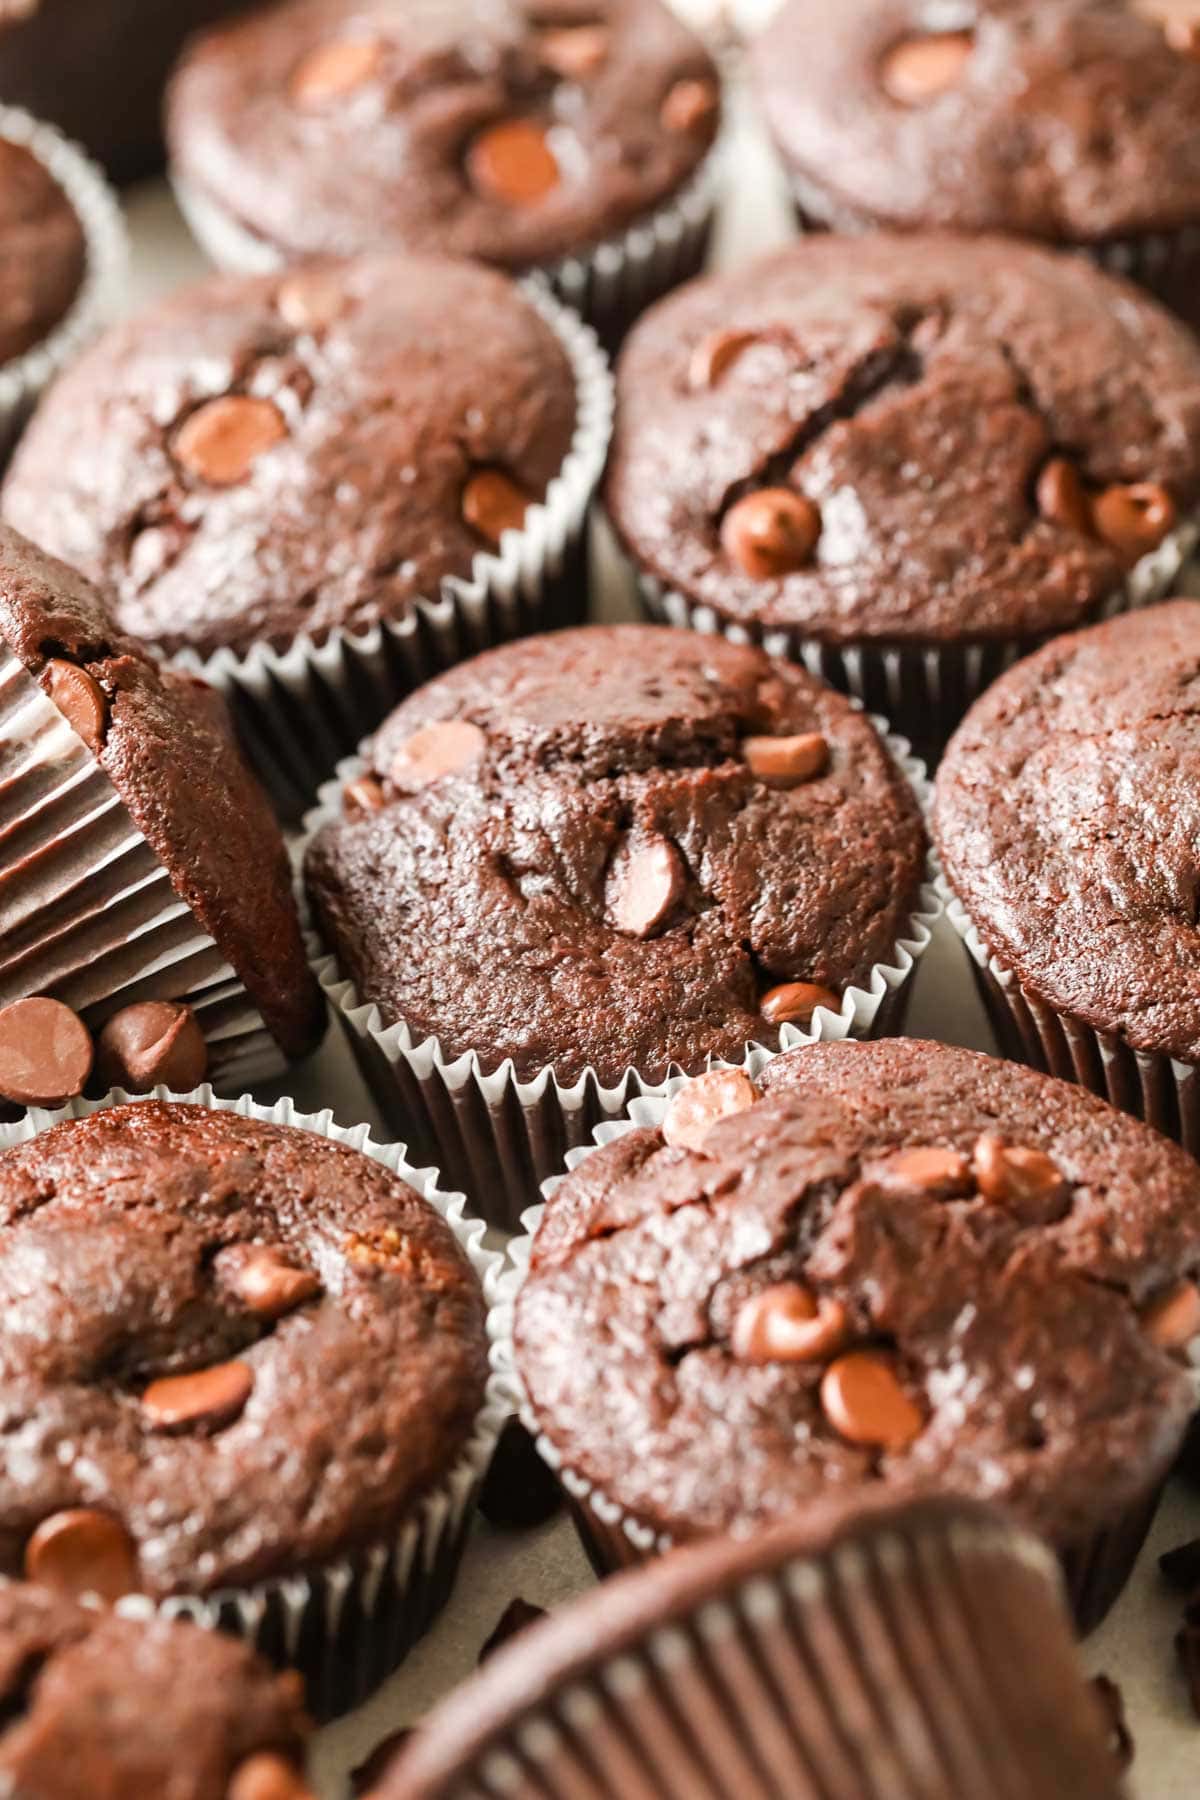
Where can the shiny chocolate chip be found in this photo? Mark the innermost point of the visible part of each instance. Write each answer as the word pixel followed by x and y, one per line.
pixel 333 70
pixel 512 162
pixel 82 1551
pixel 865 1403
pixel 771 532
pixel 1133 520
pixel 436 751
pixel 714 355
pixel 492 503
pixel 1026 1180
pixel 207 1399
pixel 690 105
pixel 786 761
pixel 702 1102
pixel 795 1002
pixel 223 439
pixel 80 699
pixel 918 69
pixel 150 1043
pixel 265 1282
pixel 789 1323
pixel 645 882
pixel 45 1052
pixel 268 1776
pixel 1062 498
pixel 923 1169
pixel 573 51
pixel 1172 1318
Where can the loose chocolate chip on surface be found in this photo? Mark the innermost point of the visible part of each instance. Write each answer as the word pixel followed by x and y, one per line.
pixel 268 1776
pixel 1112 1705
pixel 369 1773
pixel 311 299
pixel 517 1616
pixel 1181 1566
pixel 865 1403
pixel 573 51
pixel 771 532
pixel 519 1489
pixel 435 751
pixel 927 1168
pixel 362 795
pixel 690 105
pixel 714 354
pixel 918 69
pixel 788 1323
pixel 644 883
pixel 512 162
pixel 210 1397
pixel 795 1002
pixel 222 440
pixel 152 1042
pixel 80 699
pixel 45 1052
pixel 704 1100
pixel 786 761
pixel 335 69
pixel 1172 1319
pixel 492 504
pixel 1062 497
pixel 81 1551
pixel 1133 520
pixel 264 1281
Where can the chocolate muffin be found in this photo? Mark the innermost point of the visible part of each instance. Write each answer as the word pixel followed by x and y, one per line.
pixel 1072 121
pixel 43 252
pixel 611 850
pixel 253 462
pixel 114 1707
pixel 898 1266
pixel 733 1669
pixel 523 137
pixel 142 860
pixel 904 463
pixel 265 1351
pixel 1067 811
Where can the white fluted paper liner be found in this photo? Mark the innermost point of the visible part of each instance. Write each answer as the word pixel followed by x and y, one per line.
pixel 300 708
pixel 25 378
pixel 345 1625
pixel 88 914
pixel 499 1137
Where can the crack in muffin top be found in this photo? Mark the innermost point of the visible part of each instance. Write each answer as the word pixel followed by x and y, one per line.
pixel 617 846
pixel 909 395
pixel 906 1264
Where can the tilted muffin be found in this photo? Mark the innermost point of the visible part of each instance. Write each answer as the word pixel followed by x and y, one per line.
pixel 142 859
pixel 1072 121
pixel 599 854
pixel 1068 811
pixel 113 1707
pixel 258 1354
pixel 525 138
pixel 284 461
pixel 906 462
pixel 895 1265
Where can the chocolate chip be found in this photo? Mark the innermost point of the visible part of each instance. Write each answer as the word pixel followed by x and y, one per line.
pixel 865 1403
pixel 222 440
pixel 771 532
pixel 362 795
pixel 311 299
pixel 1187 1648
pixel 689 106
pixel 265 1282
pixel 492 504
pixel 517 1617
pixel 1172 1319
pixel 370 1772
pixel 924 1169
pixel 918 69
pixel 152 1042
pixel 45 1052
pixel 81 1551
pixel 714 354
pixel 512 162
pixel 208 1398
pixel 785 762
pixel 434 751
pixel 795 1002
pixel 1062 498
pixel 645 882
pixel 267 1776
pixel 1183 35
pixel 1181 1566
pixel 519 1489
pixel 1112 1706
pixel 80 699
pixel 787 1323
pixel 334 69
pixel 1028 1181
pixel 573 51
pixel 701 1102
pixel 1133 520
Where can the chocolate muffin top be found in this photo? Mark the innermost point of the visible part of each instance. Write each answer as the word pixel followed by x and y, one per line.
pixel 518 135
pixel 1070 120
pixel 253 459
pixel 617 845
pixel 165 743
pixel 1068 811
pixel 883 439
pixel 43 252
pixel 263 1347
pixel 905 1264
pixel 110 1707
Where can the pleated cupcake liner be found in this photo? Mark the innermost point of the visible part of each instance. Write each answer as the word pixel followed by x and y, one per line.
pixel 25 378
pixel 299 709
pixel 348 1623
pixel 924 689
pixel 498 1136
pixel 921 1653
pixel 1095 1568
pixel 88 914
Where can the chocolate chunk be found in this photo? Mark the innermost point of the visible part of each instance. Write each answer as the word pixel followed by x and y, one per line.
pixel 435 751
pixel 208 1398
pixel 1172 1319
pixel 82 1551
pixel 80 699
pixel 784 762
pixel 45 1052
pixel 1027 1181
pixel 362 795
pixel 1112 1704
pixel 334 69
pixel 1181 1566
pixel 788 1323
pixel 701 1102
pixel 492 504
pixel 311 299
pixel 927 1169
pixel 795 1002
pixel 512 162
pixel 865 1403
pixel 573 51
pixel 1134 520
pixel 222 440
pixel 645 882
pixel 916 70
pixel 689 105
pixel 517 1616
pixel 152 1042
pixel 714 354
pixel 370 1772
pixel 771 532
pixel 267 1776
pixel 264 1281
pixel 519 1489
pixel 1062 498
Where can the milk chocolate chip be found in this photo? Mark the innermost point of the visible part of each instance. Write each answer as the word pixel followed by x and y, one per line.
pixel 689 106
pixel 927 1169
pixel 714 354
pixel 771 532
pixel 1133 520
pixel 80 699
pixel 795 1002
pixel 334 69
pixel 645 882
pixel 265 1282
pixel 209 1398
pixel 362 795
pixel 1172 1319
pixel 786 761
pixel 152 1042
pixel 865 1403
pixel 1062 498
pixel 434 751
pixel 916 70
pixel 492 504
pixel 81 1551
pixel 311 299
pixel 222 440
pixel 512 162
pixel 787 1323
pixel 701 1102
pixel 1027 1180
pixel 45 1052
pixel 267 1776
pixel 573 51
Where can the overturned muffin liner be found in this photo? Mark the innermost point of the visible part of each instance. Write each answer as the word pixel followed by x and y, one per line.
pixel 25 378
pixel 348 1623
pixel 499 1137
pixel 1095 1569
pixel 924 689
pixel 301 708
pixel 88 914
